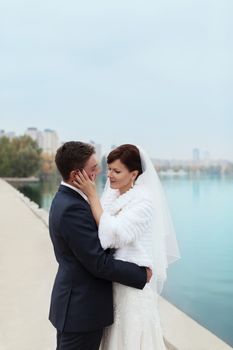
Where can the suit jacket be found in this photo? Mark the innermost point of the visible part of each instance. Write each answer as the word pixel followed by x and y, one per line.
pixel 82 293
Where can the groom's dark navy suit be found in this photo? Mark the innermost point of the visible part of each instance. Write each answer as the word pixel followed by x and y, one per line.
pixel 81 299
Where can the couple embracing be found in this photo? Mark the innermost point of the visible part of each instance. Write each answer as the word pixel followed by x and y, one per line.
pixel 112 253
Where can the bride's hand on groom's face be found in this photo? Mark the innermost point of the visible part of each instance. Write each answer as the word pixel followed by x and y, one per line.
pixel 84 183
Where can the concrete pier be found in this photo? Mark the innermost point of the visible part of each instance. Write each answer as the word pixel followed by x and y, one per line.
pixel 183 333
pixel 27 270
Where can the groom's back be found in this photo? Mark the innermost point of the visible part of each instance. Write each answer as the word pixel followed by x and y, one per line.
pixel 80 301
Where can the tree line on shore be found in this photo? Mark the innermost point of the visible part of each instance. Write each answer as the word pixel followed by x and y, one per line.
pixel 22 157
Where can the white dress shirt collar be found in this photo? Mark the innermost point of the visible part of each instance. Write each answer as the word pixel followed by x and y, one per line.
pixel 75 189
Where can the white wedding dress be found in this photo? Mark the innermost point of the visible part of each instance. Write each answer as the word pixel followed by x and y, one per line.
pixel 136 321
pixel 126 224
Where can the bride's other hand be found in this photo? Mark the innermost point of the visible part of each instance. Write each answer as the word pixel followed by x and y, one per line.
pixel 84 183
pixel 149 274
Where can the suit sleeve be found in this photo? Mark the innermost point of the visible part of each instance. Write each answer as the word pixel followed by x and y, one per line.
pixel 80 232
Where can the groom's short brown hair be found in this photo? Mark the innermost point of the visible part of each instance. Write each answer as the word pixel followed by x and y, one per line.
pixel 72 155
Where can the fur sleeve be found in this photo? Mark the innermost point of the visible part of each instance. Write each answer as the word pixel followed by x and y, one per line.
pixel 126 227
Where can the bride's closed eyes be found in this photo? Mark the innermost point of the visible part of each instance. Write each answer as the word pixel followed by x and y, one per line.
pixel 115 170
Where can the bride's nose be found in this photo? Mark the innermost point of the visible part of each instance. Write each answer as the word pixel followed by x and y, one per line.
pixel 109 174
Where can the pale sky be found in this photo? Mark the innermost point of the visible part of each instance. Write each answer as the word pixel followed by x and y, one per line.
pixel 154 73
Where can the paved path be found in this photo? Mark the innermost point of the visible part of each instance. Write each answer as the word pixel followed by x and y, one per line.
pixel 27 269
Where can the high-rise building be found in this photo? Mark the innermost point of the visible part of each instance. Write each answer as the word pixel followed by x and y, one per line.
pixel 50 141
pixel 10 135
pixel 47 140
pixel 32 132
pixel 36 135
pixel 40 139
pixel 196 155
pixel 206 156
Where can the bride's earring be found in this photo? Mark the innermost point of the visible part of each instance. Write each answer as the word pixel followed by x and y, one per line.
pixel 132 183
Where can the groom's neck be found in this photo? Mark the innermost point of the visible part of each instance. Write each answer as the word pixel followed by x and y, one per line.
pixel 69 182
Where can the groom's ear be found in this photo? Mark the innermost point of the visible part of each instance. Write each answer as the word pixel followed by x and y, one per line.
pixel 73 173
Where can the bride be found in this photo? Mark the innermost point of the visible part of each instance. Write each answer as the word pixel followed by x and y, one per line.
pixel 133 218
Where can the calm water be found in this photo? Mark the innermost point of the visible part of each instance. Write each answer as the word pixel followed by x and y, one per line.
pixel 201 283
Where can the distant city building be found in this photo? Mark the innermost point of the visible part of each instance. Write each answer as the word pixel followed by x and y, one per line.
pixel 10 135
pixel 47 140
pixel 32 132
pixel 36 135
pixel 196 155
pixel 206 156
pixel 97 149
pixel 50 141
pixel 40 139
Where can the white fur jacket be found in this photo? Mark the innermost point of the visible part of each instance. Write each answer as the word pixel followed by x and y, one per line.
pixel 126 224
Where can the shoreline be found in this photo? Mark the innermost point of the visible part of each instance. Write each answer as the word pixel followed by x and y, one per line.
pixel 29 179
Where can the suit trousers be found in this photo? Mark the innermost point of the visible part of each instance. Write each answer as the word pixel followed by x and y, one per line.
pixel 79 340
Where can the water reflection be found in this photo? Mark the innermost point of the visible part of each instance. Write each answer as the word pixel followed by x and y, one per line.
pixel 33 192
pixel 196 189
pixel 43 192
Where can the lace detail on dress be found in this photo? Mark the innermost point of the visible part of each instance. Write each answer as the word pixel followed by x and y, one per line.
pixel 136 321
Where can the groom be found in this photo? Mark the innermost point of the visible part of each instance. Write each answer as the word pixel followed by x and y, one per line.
pixel 82 301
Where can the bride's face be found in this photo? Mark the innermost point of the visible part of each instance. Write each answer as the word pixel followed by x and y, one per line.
pixel 120 177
